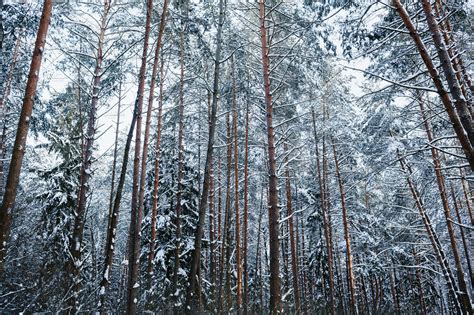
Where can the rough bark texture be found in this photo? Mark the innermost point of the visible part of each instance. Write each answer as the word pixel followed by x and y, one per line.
pixel 13 177
pixel 273 211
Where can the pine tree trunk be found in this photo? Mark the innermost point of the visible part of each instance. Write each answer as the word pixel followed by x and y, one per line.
pixel 454 117
pixel 275 294
pixel 179 193
pixel 196 258
pixel 442 260
pixel 347 237
pixel 13 177
pixel 326 221
pixel 142 172
pixel 464 293
pixel 289 213
pixel 136 215
pixel 246 213
pixel 465 241
pixel 75 262
pixel 156 178
pixel 449 72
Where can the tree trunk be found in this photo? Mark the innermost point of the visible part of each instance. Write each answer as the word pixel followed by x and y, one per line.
pixel 275 295
pixel 196 260
pixel 464 293
pixel 289 213
pixel 13 177
pixel 326 221
pixel 246 213
pixel 347 237
pixel 75 262
pixel 443 262
pixel 156 179
pixel 458 126
pixel 136 215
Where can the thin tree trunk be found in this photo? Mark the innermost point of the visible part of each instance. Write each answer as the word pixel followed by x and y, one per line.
pixel 142 172
pixel 136 215
pixel 443 262
pixel 465 241
pixel 326 221
pixel 179 193
pixel 246 213
pixel 13 177
pixel 419 284
pixel 196 258
pixel 275 294
pixel 75 262
pixel 236 194
pixel 156 179
pixel 464 294
pixel 347 237
pixel 289 213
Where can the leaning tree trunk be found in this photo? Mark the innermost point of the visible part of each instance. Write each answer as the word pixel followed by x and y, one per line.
pixel 463 293
pixel 196 258
pixel 13 177
pixel 151 97
pixel 273 225
pixel 85 172
pixel 457 122
pixel 136 216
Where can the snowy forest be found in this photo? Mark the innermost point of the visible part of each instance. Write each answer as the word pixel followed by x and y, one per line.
pixel 237 156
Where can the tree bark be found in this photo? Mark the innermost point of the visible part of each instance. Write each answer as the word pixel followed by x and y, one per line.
pixel 289 213
pixel 136 215
pixel 273 226
pixel 443 94
pixel 75 262
pixel 196 258
pixel 347 237
pixel 13 177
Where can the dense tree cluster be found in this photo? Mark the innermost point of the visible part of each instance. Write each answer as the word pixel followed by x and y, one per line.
pixel 227 156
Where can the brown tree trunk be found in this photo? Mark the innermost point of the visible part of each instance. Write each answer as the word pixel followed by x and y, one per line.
pixel 326 220
pixel 347 237
pixel 449 72
pixel 136 215
pixel 156 179
pixel 246 213
pixel 236 194
pixel 442 259
pixel 275 294
pixel 421 296
pixel 465 241
pixel 289 213
pixel 179 193
pixel 196 259
pixel 464 293
pixel 142 172
pixel 13 177
pixel 75 262
pixel 454 117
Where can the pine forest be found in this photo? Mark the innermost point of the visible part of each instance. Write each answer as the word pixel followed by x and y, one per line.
pixel 237 157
